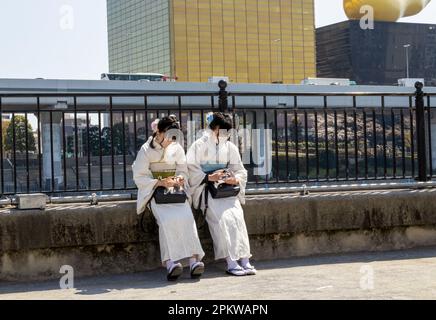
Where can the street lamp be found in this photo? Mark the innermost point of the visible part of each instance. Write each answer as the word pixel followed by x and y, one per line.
pixel 407 46
pixel 278 41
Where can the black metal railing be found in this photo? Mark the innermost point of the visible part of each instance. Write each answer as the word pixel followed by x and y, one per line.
pixel 86 142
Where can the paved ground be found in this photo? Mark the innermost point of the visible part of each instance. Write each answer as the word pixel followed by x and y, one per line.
pixel 407 274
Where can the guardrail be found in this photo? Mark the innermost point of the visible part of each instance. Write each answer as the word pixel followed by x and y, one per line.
pixel 62 143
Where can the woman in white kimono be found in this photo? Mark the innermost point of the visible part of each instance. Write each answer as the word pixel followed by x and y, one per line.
pixel 161 162
pixel 207 158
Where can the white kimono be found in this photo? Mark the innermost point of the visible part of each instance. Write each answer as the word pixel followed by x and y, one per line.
pixel 225 217
pixel 178 237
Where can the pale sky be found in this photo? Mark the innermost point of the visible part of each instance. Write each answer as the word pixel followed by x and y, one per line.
pixel 67 39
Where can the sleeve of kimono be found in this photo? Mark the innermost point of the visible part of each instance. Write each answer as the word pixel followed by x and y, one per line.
pixel 196 174
pixel 141 171
pixel 181 164
pixel 238 169
pixel 237 166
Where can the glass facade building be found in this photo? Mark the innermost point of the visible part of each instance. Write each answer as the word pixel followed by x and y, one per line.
pixel 378 56
pixel 249 41
pixel 138 35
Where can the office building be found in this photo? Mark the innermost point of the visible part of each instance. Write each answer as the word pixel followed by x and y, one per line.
pixel 378 56
pixel 256 41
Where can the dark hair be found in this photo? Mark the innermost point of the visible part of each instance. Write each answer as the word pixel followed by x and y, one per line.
pixel 221 120
pixel 165 124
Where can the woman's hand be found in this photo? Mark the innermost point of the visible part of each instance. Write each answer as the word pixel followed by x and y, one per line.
pixel 216 176
pixel 232 181
pixel 180 180
pixel 167 183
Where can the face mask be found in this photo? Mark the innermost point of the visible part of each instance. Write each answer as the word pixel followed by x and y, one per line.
pixel 223 136
pixel 223 139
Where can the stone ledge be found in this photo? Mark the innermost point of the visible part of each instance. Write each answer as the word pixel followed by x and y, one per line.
pixel 116 223
pixel 108 239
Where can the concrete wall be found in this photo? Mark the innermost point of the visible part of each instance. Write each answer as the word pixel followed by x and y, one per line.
pixel 107 238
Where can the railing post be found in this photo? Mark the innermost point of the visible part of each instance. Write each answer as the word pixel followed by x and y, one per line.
pixel 223 96
pixel 420 132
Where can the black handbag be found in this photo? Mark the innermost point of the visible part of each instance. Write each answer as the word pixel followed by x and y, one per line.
pixel 163 195
pixel 223 190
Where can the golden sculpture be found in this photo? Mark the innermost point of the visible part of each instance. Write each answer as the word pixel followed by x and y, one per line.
pixel 385 10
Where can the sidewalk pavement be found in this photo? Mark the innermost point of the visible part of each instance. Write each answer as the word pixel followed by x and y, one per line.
pixel 408 274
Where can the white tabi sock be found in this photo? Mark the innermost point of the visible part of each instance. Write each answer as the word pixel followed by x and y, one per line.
pixel 245 263
pixel 231 264
pixel 170 264
pixel 192 261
